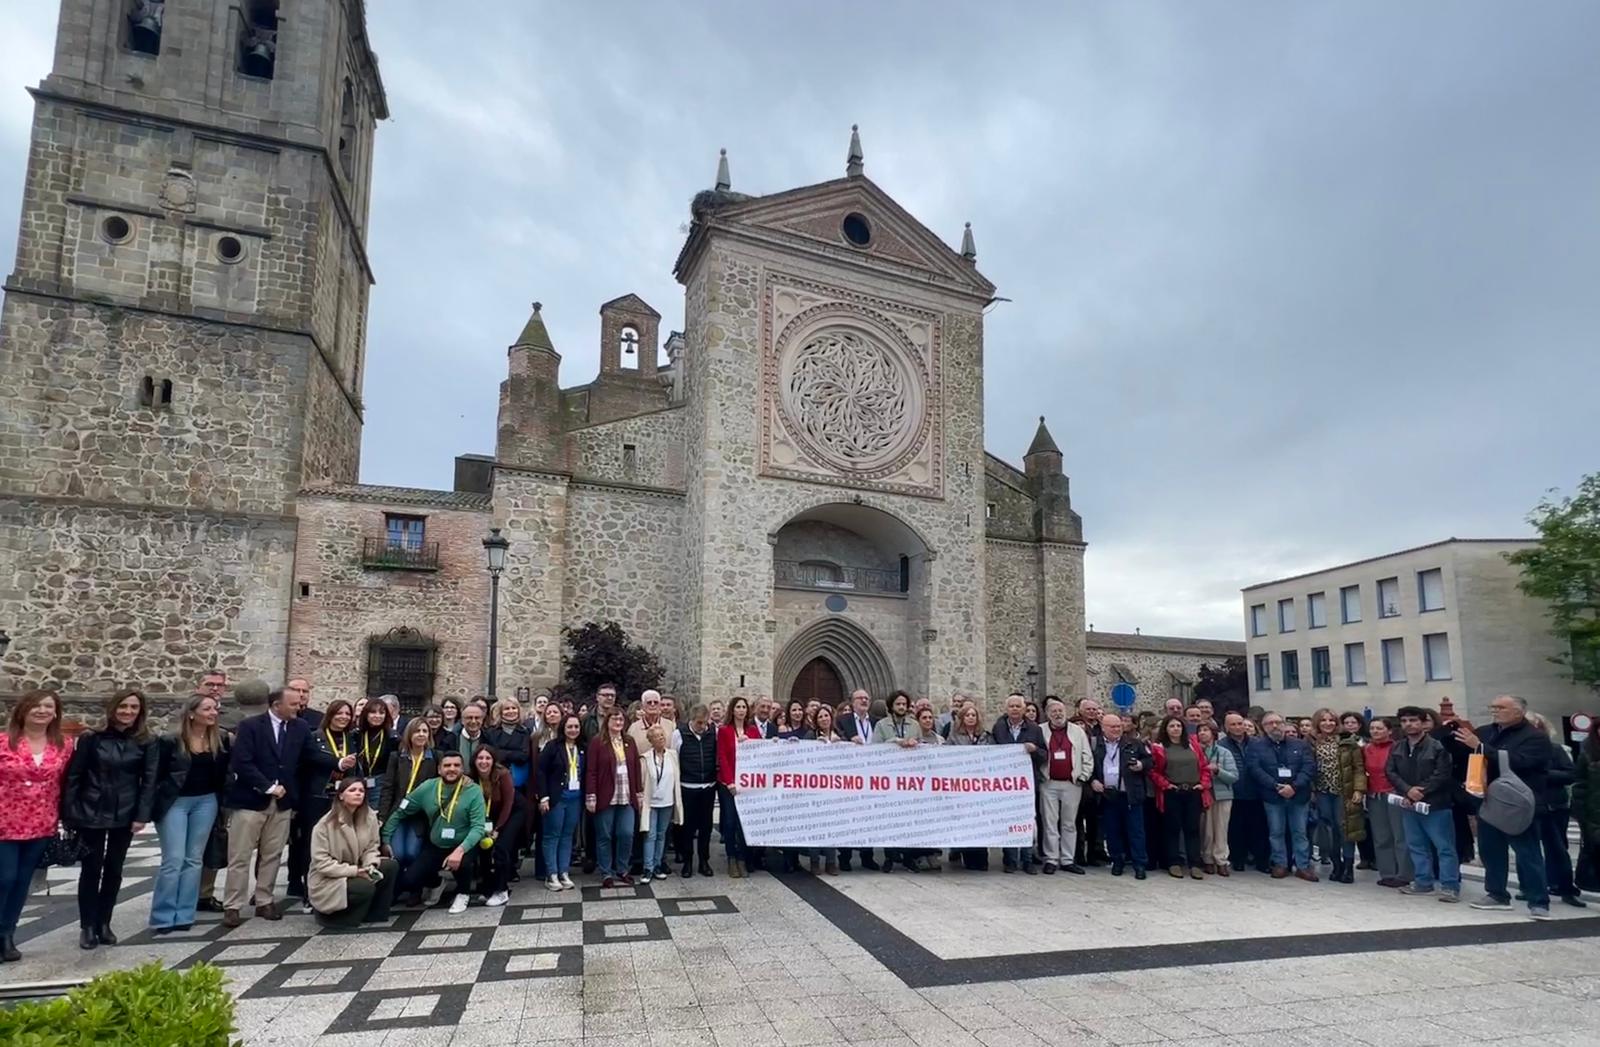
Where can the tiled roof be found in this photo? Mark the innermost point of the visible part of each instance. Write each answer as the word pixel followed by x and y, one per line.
pixel 380 493
pixel 1164 644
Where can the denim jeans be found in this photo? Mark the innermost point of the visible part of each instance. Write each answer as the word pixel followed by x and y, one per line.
pixel 1010 857
pixel 407 843
pixel 1286 833
pixel 1330 827
pixel 655 844
pixel 18 860
pixel 560 826
pixel 1124 829
pixel 183 831
pixel 1492 845
pixel 613 831
pixel 1425 835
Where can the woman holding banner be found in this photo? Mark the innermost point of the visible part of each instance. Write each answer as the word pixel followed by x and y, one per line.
pixel 822 730
pixel 738 730
pixel 967 729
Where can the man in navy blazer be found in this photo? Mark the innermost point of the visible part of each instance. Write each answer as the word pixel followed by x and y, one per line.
pixel 1282 769
pixel 261 796
pixel 856 726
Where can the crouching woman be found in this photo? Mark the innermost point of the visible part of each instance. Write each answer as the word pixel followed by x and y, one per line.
pixel 349 883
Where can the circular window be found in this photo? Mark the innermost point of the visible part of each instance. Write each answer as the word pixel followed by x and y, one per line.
pixel 856 229
pixel 116 229
pixel 836 603
pixel 230 249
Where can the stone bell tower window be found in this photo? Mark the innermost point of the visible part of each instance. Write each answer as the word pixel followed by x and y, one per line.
pixel 629 356
pixel 347 131
pixel 145 18
pixel 258 39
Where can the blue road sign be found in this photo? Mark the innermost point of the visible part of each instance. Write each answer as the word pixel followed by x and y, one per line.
pixel 1123 695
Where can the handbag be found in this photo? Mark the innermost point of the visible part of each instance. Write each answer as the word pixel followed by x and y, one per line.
pixel 1477 782
pixel 64 849
pixel 1509 804
pixel 216 852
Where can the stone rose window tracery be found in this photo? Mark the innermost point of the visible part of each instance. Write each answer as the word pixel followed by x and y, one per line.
pixel 851 398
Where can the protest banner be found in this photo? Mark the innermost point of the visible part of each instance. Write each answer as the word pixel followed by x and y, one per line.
pixel 810 794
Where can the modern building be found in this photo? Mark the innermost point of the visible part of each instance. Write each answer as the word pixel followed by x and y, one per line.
pixel 790 496
pixel 1156 667
pixel 1444 620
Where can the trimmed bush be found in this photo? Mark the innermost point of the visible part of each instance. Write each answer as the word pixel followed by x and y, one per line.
pixel 148 1006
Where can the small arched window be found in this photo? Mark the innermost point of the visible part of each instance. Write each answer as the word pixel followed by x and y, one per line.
pixel 628 349
pixel 347 131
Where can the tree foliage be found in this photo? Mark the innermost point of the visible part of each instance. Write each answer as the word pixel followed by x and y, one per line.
pixel 1227 686
pixel 1563 570
pixel 601 652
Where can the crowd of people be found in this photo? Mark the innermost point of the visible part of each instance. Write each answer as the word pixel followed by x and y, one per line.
pixel 371 809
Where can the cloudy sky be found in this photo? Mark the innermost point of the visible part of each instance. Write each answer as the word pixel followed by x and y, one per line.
pixel 1295 283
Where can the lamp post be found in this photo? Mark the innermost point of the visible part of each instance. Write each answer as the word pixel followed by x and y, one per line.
pixel 494 547
pixel 1033 678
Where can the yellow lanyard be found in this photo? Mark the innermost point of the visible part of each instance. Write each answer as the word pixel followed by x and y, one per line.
pixel 335 745
pixel 617 749
pixel 438 794
pixel 368 757
pixel 572 763
pixel 416 765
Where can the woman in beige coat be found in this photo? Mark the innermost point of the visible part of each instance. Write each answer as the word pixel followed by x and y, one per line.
pixel 349 882
pixel 663 800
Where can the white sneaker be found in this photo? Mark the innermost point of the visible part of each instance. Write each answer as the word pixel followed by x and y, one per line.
pixel 459 905
pixel 498 899
pixel 553 884
pixel 645 878
pixel 567 884
pixel 430 898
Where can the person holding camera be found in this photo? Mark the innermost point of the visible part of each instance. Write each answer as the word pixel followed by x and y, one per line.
pixel 349 883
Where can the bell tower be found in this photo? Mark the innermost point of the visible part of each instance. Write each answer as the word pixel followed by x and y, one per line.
pixel 182 341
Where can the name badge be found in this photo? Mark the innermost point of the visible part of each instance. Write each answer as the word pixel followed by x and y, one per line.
pixel 1285 774
pixel 447 833
pixel 372 783
pixel 1059 755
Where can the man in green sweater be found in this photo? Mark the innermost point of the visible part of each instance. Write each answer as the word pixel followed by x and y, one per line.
pixel 453 806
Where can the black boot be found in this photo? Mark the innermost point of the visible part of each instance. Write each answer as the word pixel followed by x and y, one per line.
pixel 103 932
pixel 8 949
pixel 86 939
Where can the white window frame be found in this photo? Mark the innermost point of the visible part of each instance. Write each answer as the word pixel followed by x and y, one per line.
pixel 1422 590
pixel 1315 601
pixel 1389 665
pixel 1383 605
pixel 1357 648
pixel 1286 621
pixel 1258 619
pixel 1344 605
pixel 1429 667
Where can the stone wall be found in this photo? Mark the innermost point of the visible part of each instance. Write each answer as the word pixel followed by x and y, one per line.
pixel 1011 605
pixel 597 452
pixel 1153 684
pixel 818 540
pixel 1063 670
pixel 532 510
pixel 339 604
pixel 98 598
pixel 625 564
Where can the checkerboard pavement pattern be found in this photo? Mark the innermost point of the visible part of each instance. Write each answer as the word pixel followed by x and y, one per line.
pixel 950 958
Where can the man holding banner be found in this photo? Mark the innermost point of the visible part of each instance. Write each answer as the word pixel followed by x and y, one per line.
pixel 1014 729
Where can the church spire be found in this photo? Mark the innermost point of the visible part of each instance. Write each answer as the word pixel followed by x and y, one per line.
pixel 969 249
pixel 1043 443
pixel 724 182
pixel 853 163
pixel 534 333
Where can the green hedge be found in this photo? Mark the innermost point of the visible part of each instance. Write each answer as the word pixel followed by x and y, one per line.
pixel 149 1006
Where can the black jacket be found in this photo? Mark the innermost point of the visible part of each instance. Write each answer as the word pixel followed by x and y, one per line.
pixel 397 775
pixel 372 750
pixel 1563 773
pixel 1532 755
pixel 1134 783
pixel 850 728
pixel 172 771
pixel 1030 732
pixel 1429 767
pixel 318 770
pixel 110 782
pixel 550 770
pixel 697 757
pixel 512 746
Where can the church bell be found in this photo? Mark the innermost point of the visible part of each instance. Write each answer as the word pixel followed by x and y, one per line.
pixel 259 56
pixel 144 27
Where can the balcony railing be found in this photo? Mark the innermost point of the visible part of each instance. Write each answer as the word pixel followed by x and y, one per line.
pixel 794 574
pixel 384 555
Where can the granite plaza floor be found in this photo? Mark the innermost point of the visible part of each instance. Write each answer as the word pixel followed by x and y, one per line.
pixel 953 958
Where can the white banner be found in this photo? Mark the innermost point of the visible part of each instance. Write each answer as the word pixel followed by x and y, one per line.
pixel 810 794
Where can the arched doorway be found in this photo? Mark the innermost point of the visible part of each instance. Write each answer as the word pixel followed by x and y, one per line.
pixel 847 650
pixel 818 679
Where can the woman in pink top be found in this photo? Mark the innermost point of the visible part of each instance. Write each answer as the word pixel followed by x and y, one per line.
pixel 33 764
pixel 1387 820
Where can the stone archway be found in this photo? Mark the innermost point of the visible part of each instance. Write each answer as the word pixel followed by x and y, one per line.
pixel 844 645
pixel 820 680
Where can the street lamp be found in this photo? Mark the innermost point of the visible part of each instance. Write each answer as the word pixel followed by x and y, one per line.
pixel 494 547
pixel 1033 678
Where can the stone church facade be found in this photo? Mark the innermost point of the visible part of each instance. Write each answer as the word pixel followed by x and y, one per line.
pixel 789 495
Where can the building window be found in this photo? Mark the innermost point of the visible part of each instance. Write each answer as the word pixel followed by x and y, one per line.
pixel 630 458
pixel 1286 615
pixel 1355 665
pixel 155 394
pixel 1350 604
pixel 1321 667
pixel 144 26
pixel 1317 611
pixel 1436 656
pixel 404 532
pixel 347 132
pixel 988 510
pixel 258 39
pixel 1263 673
pixel 1258 620
pixel 1394 661
pixel 1389 598
pixel 115 229
pixel 628 350
pixel 1291 670
pixel 1430 590
pixel 401 662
